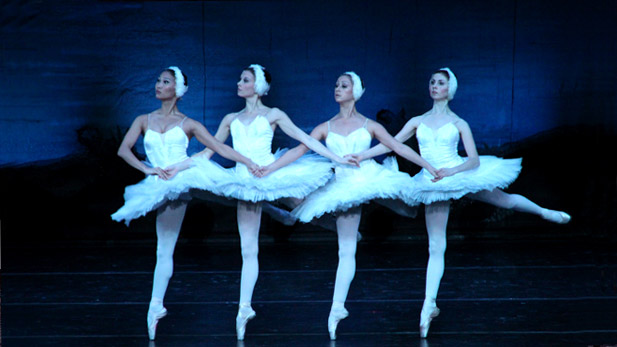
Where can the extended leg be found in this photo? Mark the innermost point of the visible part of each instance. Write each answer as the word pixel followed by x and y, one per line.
pixel 519 203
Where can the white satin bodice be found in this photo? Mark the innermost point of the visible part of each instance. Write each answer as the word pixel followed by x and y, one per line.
pixel 164 149
pixel 254 140
pixel 439 147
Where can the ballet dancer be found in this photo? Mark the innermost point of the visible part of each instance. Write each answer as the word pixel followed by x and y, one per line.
pixel 349 132
pixel 477 177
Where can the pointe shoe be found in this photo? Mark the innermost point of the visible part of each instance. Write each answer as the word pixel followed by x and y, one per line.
pixel 426 317
pixel 153 321
pixel 245 314
pixel 336 315
pixel 558 217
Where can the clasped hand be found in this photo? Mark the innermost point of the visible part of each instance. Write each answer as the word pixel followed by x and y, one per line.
pixel 164 174
pixel 445 172
pixel 259 171
pixel 350 159
pixel 354 158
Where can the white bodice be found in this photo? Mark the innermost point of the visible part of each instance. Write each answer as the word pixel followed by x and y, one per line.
pixel 356 141
pixel 164 149
pixel 439 147
pixel 254 140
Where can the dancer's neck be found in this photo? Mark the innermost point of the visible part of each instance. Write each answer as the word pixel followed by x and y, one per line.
pixel 440 108
pixel 347 109
pixel 252 104
pixel 169 107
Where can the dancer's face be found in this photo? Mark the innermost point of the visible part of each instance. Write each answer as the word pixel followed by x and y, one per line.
pixel 343 89
pixel 246 84
pixel 165 87
pixel 438 87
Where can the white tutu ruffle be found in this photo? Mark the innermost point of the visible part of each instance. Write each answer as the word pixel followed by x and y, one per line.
pixel 295 180
pixel 355 186
pixel 492 173
pixel 153 192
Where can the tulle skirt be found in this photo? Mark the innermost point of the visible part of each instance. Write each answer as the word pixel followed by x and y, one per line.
pixel 352 187
pixel 152 192
pixel 492 173
pixel 295 180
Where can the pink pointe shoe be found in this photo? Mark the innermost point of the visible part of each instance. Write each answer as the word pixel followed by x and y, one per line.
pixel 153 321
pixel 245 314
pixel 336 315
pixel 426 317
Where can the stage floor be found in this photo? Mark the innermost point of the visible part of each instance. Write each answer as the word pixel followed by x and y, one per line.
pixel 493 293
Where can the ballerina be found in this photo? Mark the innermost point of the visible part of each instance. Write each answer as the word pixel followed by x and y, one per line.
pixel 349 132
pixel 477 177
pixel 166 133
pixel 252 129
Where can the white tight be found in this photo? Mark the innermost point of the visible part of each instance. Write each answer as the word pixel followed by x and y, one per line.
pixel 168 222
pixel 437 220
pixel 249 221
pixel 347 225
pixel 502 199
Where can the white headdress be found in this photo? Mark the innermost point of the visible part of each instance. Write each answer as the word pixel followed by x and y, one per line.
pixel 452 82
pixel 261 85
pixel 358 89
pixel 180 87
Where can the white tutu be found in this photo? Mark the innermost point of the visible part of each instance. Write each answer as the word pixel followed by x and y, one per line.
pixel 295 180
pixel 355 186
pixel 153 192
pixel 439 148
pixel 492 173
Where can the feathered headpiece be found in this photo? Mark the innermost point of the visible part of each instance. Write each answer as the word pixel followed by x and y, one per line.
pixel 261 85
pixel 358 87
pixel 452 82
pixel 181 88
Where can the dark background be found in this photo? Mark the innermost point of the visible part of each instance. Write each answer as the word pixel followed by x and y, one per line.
pixel 536 79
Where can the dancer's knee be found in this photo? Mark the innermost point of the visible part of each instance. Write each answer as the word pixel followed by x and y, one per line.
pixel 437 248
pixel 347 249
pixel 510 201
pixel 501 199
pixel 249 250
pixel 164 254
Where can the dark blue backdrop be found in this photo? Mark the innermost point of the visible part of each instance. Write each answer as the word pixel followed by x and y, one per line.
pixel 523 66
